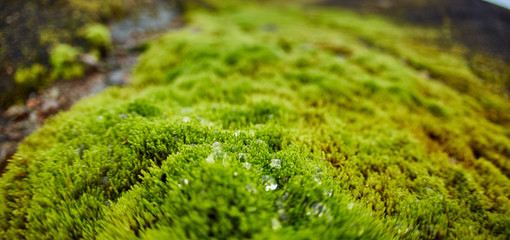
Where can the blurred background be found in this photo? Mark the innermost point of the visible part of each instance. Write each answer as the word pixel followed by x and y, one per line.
pixel 483 26
pixel 54 52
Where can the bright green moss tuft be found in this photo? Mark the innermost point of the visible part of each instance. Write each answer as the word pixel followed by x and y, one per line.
pixel 30 76
pixel 64 61
pixel 98 36
pixel 287 127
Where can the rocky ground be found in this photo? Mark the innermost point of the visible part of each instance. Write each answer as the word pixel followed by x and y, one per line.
pixel 128 34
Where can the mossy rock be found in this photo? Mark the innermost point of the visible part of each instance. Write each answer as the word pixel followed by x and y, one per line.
pixel 236 128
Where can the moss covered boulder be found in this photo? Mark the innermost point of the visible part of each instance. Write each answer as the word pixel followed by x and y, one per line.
pixel 272 122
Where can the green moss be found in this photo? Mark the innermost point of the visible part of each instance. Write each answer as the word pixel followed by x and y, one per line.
pixel 65 63
pixel 31 76
pixel 98 36
pixel 240 130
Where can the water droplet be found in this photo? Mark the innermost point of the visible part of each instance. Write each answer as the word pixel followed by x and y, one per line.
pixel 80 151
pixel 184 181
pixel 276 163
pixel 186 110
pixel 285 196
pixel 250 188
pixel 247 165
pixel 100 117
pixel 217 156
pixel 105 181
pixel 216 146
pixel 280 203
pixel 318 209
pixel 317 178
pixel 283 216
pixel 242 157
pixel 270 116
pixel 275 224
pixel 350 206
pixel 236 133
pixel 269 182
pixel 328 192
pixel 260 141
pixel 123 116
pixel 235 174
pixel 186 119
pixel 317 169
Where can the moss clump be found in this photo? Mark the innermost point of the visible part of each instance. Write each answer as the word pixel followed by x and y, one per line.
pixel 65 63
pixel 31 75
pixel 241 130
pixel 98 36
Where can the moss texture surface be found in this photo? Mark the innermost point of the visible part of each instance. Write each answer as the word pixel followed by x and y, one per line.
pixel 273 122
